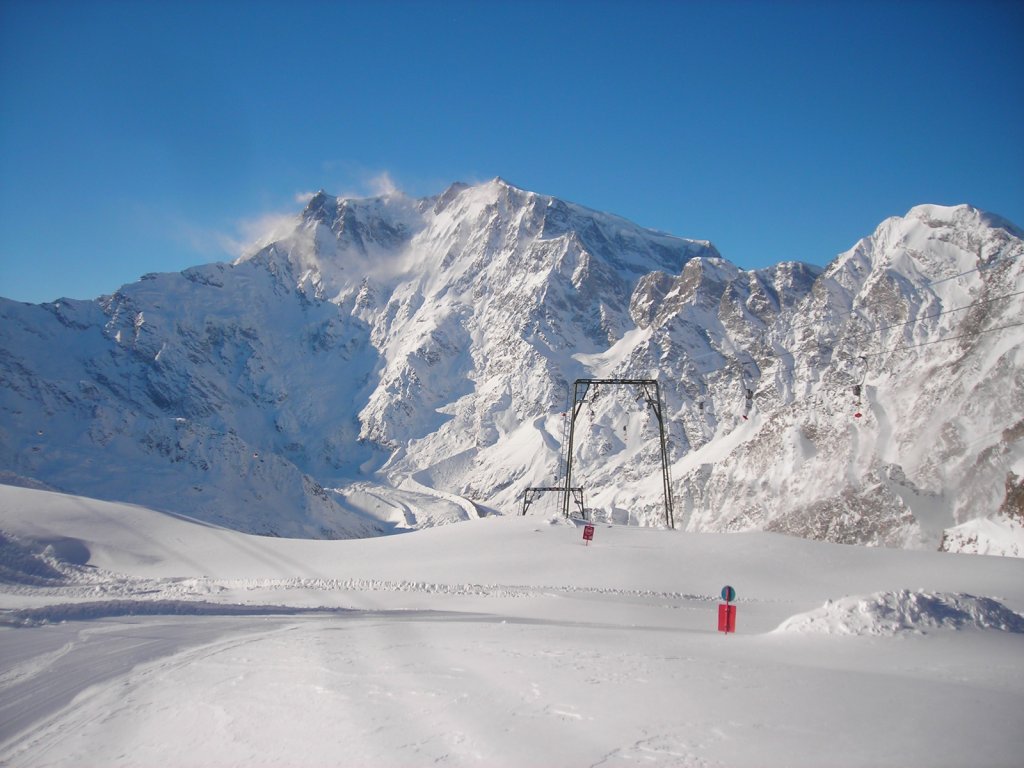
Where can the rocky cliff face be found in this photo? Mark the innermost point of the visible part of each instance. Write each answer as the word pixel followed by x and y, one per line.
pixel 406 362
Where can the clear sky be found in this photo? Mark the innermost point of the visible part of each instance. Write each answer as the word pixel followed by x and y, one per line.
pixel 140 137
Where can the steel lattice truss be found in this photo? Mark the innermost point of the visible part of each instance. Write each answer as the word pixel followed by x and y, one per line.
pixel 650 391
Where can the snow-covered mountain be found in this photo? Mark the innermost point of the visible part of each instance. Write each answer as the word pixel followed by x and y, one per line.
pixel 403 362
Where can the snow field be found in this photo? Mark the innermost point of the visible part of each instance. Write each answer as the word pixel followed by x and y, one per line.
pixel 497 642
pixel 418 689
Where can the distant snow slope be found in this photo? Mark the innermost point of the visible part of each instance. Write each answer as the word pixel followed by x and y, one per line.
pixel 135 637
pixel 78 542
pixel 395 362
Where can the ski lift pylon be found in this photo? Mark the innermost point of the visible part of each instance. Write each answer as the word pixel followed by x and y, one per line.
pixel 747 380
pixel 858 389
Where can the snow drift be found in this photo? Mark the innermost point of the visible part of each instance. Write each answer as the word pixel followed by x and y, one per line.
pixel 889 613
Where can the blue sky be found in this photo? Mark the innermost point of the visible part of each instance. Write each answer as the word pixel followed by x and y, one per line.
pixel 139 137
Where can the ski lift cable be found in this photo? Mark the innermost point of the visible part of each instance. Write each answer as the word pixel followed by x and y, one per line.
pixel 767 355
pixel 901 347
pixel 864 357
pixel 936 314
pixel 762 363
pixel 939 341
pixel 810 366
pixel 991 264
pixel 985 435
pixel 925 285
pixel 865 334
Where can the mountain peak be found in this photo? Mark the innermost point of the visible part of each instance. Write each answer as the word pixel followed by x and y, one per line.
pixel 961 215
pixel 318 205
pixel 445 198
pixel 500 182
pixel 939 212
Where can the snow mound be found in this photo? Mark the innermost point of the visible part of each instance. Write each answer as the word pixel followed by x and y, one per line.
pixel 21 563
pixel 889 613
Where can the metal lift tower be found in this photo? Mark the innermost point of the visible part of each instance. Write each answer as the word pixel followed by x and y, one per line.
pixel 652 394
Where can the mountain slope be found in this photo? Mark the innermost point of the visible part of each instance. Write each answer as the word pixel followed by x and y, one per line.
pixel 416 354
pixel 936 442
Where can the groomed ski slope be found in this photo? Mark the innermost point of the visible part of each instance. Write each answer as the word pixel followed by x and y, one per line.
pixel 137 638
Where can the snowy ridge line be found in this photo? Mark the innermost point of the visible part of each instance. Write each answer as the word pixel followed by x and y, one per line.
pixel 32 617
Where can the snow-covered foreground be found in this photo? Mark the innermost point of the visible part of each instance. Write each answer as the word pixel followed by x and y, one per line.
pixel 139 638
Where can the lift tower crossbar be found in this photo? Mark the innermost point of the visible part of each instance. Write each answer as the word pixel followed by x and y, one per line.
pixel 651 392
pixel 530 495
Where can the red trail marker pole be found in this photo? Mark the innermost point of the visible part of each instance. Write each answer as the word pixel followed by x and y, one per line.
pixel 588 534
pixel 727 612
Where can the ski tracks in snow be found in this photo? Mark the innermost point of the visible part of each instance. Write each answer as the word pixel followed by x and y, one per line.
pixel 402 690
pixel 488 692
pixel 82 677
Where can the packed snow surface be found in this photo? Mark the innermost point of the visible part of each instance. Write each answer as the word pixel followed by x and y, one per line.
pixel 133 637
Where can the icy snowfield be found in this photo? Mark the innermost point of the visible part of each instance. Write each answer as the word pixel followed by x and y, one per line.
pixel 133 637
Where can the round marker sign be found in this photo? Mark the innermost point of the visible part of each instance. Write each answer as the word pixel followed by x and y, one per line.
pixel 728 594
